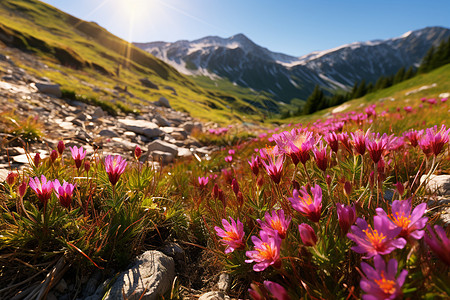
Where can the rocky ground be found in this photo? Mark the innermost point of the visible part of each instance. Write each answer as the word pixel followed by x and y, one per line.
pixel 162 133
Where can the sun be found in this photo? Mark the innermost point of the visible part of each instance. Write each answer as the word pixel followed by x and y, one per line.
pixel 136 10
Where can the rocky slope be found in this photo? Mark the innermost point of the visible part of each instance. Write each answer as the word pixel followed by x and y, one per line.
pixel 286 77
pixel 161 132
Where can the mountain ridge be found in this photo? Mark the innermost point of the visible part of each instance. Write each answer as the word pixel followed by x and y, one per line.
pixel 287 77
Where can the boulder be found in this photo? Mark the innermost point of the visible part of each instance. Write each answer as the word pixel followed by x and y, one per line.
pixel 146 128
pixel 161 121
pixel 439 184
pixel 147 83
pixel 162 146
pixel 149 278
pixel 164 102
pixel 49 89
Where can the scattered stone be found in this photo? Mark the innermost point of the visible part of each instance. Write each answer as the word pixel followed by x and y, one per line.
pixel 151 276
pixel 214 295
pixel 161 121
pixel 159 145
pixel 3 174
pixel 146 128
pixel 49 89
pixel 162 157
pixel 98 113
pixel 173 250
pixel 108 133
pixel 192 126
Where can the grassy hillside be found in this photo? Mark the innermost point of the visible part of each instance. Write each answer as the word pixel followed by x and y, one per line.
pixel 98 64
pixel 407 93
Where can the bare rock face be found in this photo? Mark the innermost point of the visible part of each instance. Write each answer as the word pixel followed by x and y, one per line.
pixel 150 277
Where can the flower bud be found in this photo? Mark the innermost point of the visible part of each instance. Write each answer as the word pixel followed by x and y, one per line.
pixel 215 191
pixel 11 178
pixel 235 186
pixel 307 234
pixel 347 188
pixel 400 188
pixel 137 152
pixel 37 159
pixel 87 165
pixel 23 188
pixel 61 147
pixel 53 156
pixel 240 198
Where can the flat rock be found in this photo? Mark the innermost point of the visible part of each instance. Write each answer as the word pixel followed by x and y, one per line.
pixel 150 277
pixel 162 157
pixel 164 102
pixel 146 128
pixel 162 146
pixel 108 133
pixel 439 184
pixel 214 295
pixel 49 89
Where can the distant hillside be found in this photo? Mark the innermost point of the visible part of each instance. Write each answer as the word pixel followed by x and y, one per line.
pixel 84 57
pixel 285 77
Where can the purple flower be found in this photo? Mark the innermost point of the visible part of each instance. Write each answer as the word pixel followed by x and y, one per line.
pixel 78 155
pixel 440 243
pixel 380 282
pixel 277 222
pixel 322 156
pixel 64 192
pixel 332 139
pixel 307 235
pixel 310 207
pixel 228 158
pixel 232 236
pixel 346 216
pixel 254 163
pixel 267 251
pixel 378 240
pixel 409 222
pixel 115 166
pixel 42 188
pixel 378 145
pixel 413 136
pixel 61 147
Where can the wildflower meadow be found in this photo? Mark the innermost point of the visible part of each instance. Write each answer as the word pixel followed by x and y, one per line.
pixel 337 208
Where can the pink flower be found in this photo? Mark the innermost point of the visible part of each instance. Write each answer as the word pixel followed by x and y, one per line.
pixel 267 251
pixel 231 152
pixel 434 140
pixel 23 188
pixel 310 207
pixel 37 159
pixel 203 182
pixel 408 109
pixel 254 163
pixel 307 235
pixel 137 152
pixel 114 166
pixel 381 282
pixel 277 222
pixel 402 217
pixel 443 100
pixel 277 290
pixel 296 144
pixel 322 156
pixel 346 216
pixel 78 155
pixel 439 243
pixel 378 240
pixel 274 168
pixel 42 188
pixel 332 139
pixel 377 146
pixel 232 236
pixel 64 192
pixel 413 136
pixel 229 158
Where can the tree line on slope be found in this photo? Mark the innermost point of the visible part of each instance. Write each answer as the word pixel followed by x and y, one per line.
pixel 318 100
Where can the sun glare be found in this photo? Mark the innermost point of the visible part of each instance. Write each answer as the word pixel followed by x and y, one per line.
pixel 134 10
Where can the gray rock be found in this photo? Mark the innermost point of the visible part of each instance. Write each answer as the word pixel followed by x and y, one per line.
pixel 173 250
pixel 147 83
pixel 174 92
pixel 164 102
pixel 98 113
pixel 162 157
pixel 146 128
pixel 224 282
pixel 439 184
pixel 151 276
pixel 159 145
pixel 191 126
pixel 108 133
pixel 161 121
pixel 49 89
pixel 214 295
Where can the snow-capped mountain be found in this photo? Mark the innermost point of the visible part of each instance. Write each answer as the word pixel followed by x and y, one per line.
pixel 286 77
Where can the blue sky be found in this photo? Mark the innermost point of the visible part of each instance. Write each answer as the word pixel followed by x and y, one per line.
pixel 293 27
